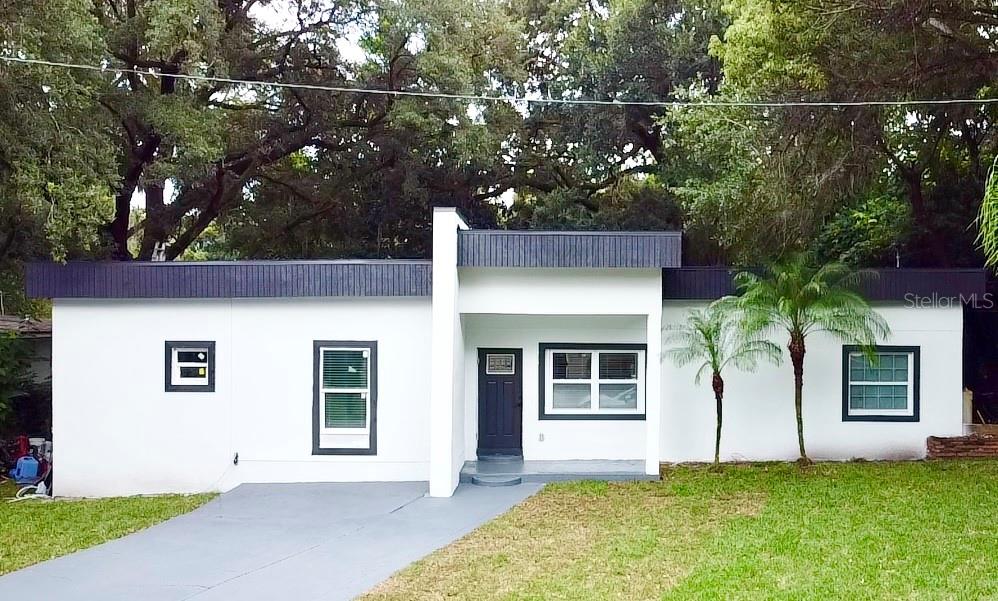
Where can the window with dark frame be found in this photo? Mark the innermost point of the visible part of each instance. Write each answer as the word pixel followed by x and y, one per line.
pixel 190 366
pixel 592 381
pixel 881 387
pixel 345 398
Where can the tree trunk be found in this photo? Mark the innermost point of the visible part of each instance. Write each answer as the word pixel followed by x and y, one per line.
pixel 153 231
pixel 119 226
pixel 718 385
pixel 928 231
pixel 214 197
pixel 797 350
pixel 8 240
pixel 137 158
pixel 131 173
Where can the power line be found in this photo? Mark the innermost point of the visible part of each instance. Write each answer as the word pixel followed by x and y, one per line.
pixel 509 98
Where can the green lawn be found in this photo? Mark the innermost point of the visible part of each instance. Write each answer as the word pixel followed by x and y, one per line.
pixel 33 531
pixel 833 531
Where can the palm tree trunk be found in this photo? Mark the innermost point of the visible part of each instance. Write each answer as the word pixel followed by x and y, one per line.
pixel 797 350
pixel 718 385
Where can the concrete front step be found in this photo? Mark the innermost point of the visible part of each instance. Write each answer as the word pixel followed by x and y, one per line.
pixel 496 480
pixel 554 471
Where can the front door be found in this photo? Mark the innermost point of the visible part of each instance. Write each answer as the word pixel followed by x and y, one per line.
pixel 500 401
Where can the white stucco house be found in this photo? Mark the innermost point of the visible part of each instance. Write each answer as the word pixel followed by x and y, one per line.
pixel 183 377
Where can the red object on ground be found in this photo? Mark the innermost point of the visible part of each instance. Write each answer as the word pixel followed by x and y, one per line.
pixel 23 447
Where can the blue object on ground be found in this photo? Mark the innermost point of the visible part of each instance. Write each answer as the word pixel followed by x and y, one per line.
pixel 25 471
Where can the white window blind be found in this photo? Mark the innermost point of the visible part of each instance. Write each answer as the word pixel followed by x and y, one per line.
pixel 583 381
pixel 345 390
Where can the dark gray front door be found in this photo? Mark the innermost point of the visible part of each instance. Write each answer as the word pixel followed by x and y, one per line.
pixel 500 402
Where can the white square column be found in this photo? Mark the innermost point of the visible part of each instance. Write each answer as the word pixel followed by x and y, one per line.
pixel 444 356
pixel 653 392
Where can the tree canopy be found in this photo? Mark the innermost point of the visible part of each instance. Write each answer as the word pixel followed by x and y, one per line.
pixel 101 163
pixel 931 158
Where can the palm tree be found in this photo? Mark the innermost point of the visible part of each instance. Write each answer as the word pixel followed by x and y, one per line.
pixel 714 337
pixel 987 219
pixel 800 298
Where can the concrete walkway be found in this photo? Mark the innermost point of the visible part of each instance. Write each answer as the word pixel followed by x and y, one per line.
pixel 270 542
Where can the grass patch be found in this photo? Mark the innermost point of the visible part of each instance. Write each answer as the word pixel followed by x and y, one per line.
pixel 33 531
pixel 915 530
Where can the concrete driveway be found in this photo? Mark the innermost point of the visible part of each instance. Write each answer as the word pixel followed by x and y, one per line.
pixel 270 541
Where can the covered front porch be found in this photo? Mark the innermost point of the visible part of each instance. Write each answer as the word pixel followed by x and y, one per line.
pixel 545 348
pixel 549 397
pixel 556 387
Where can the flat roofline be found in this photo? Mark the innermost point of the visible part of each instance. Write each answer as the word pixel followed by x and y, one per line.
pixel 569 248
pixel 891 284
pixel 249 262
pixel 573 232
pixel 229 279
pixel 873 269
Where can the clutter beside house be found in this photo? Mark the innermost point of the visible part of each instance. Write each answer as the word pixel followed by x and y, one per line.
pixel 26 404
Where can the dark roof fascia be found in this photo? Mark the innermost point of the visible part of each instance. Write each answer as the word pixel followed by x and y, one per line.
pixel 569 249
pixel 253 262
pixel 655 234
pixel 918 285
pixel 230 279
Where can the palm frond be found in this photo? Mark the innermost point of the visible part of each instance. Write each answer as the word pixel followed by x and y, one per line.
pixel 987 218
pixel 748 355
pixel 718 336
pixel 802 298
pixel 704 368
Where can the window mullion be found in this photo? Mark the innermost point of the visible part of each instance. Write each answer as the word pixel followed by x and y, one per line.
pixel 594 383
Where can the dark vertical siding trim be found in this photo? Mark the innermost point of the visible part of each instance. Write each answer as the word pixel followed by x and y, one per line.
pixel 500 248
pixel 260 279
pixel 708 283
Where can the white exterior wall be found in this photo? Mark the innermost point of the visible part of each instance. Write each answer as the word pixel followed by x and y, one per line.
pixel 759 422
pixel 446 428
pixel 458 403
pixel 117 432
pixel 531 291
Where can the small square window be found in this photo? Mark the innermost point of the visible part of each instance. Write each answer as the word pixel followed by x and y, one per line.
pixel 190 366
